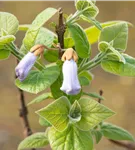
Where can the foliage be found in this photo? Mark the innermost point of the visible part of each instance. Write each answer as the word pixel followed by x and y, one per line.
pixel 74 121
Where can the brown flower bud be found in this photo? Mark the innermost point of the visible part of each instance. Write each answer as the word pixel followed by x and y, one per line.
pixel 37 49
pixel 69 54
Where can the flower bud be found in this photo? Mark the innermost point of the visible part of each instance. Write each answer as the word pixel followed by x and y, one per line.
pixel 69 54
pixel 71 85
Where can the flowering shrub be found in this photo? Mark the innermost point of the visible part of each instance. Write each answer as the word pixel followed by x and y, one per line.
pixel 74 120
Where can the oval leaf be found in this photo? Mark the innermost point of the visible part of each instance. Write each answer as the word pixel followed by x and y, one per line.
pixel 118 33
pixel 82 45
pixel 119 68
pixel 114 132
pixel 33 31
pixel 8 22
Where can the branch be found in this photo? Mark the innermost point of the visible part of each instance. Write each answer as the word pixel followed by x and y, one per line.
pixel 128 145
pixel 60 30
pixel 23 113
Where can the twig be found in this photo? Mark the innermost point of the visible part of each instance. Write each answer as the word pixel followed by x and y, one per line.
pixel 23 113
pixel 60 30
pixel 100 93
pixel 128 145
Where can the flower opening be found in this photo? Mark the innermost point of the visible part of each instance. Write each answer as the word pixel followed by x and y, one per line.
pixel 71 85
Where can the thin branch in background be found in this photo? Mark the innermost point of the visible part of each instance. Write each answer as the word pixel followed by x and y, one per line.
pixel 100 93
pixel 23 113
pixel 60 30
pixel 128 145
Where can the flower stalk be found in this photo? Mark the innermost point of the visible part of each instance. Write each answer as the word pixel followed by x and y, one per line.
pixel 93 63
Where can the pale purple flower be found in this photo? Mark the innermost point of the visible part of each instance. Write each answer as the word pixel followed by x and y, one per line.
pixel 71 85
pixel 25 65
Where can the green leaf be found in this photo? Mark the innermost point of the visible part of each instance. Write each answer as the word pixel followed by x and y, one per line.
pixel 51 55
pixel 44 122
pixel 38 81
pixel 55 88
pixel 56 113
pixel 85 78
pixel 94 95
pixel 44 16
pixel 40 98
pixel 33 31
pixel 93 32
pixel 4 54
pixel 8 22
pixel 37 140
pixel 45 37
pixel 92 113
pixel 6 39
pixel 114 132
pixel 71 139
pixel 118 68
pixel 75 112
pixel 82 45
pixel 30 37
pixel 98 135
pixel 118 33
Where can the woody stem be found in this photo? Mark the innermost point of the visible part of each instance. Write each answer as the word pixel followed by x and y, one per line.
pixel 60 30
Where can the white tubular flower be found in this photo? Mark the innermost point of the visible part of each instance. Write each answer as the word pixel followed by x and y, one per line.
pixel 71 85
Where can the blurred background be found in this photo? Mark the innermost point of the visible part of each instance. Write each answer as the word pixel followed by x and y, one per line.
pixel 118 91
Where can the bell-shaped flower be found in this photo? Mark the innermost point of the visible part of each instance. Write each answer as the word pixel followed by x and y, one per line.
pixel 25 65
pixel 71 85
pixel 28 61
